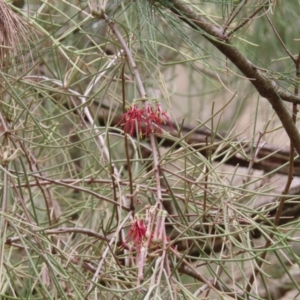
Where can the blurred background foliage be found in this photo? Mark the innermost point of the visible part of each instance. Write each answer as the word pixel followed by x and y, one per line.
pixel 65 175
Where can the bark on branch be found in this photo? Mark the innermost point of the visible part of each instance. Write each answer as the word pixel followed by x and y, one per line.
pixel 265 87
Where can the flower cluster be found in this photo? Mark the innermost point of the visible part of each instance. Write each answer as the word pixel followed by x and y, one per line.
pixel 137 232
pixel 142 234
pixel 145 119
pixel 143 238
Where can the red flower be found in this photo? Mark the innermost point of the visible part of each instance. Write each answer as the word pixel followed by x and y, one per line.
pixel 131 119
pixel 146 119
pixel 137 232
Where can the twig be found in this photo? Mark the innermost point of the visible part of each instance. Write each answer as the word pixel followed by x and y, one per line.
pixel 60 230
pixel 281 42
pixel 234 13
pixel 247 20
pixel 76 187
pixel 188 269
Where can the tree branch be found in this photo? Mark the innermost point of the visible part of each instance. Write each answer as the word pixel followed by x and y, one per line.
pixel 266 88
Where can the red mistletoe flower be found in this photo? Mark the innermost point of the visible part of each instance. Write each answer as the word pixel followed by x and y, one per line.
pixel 131 119
pixel 145 119
pixel 137 232
pixel 141 240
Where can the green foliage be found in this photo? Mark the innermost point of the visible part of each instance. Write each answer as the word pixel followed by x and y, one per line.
pixel 73 184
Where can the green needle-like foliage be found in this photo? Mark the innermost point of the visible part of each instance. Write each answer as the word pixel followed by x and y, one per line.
pixel 149 149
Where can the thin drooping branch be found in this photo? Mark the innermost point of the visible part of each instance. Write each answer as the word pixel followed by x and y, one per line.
pixel 266 88
pixel 234 13
pixel 288 52
pixel 248 19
